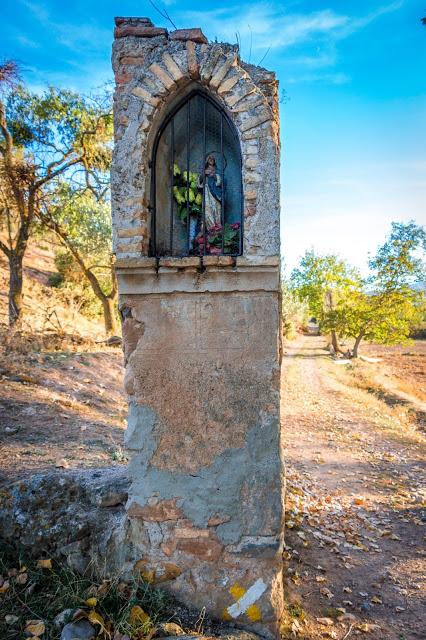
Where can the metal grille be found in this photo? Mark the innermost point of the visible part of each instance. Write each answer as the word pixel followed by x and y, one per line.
pixel 196 186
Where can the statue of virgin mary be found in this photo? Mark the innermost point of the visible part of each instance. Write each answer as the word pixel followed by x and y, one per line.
pixel 213 192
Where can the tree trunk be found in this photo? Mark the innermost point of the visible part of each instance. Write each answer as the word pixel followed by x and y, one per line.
pixel 356 346
pixel 15 289
pixel 110 320
pixel 334 342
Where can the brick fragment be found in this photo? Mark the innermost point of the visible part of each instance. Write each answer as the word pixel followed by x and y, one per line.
pixel 191 54
pixel 162 75
pixel 157 512
pixel 138 31
pixel 220 73
pixel 208 550
pixel 173 69
pixel 122 78
pixel 131 233
pixel 142 93
pixel 119 20
pixel 194 35
pixel 132 61
pixel 209 64
pixel 229 83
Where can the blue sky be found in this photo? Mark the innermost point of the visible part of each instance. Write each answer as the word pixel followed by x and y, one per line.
pixel 354 119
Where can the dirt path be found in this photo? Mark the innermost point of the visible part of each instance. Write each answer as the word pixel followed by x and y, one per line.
pixel 355 539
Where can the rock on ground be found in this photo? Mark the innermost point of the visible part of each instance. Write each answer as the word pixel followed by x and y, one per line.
pixel 80 630
pixel 69 515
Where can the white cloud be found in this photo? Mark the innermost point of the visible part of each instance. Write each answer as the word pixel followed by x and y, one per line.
pixel 262 26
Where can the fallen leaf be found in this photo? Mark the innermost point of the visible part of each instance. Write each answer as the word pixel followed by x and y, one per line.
pixel 366 627
pixel 320 578
pixel 327 622
pixel 10 619
pixel 4 587
pixel 138 616
pixel 44 563
pixel 326 592
pixel 92 602
pixel 376 600
pixel 35 627
pixel 347 589
pixel 21 578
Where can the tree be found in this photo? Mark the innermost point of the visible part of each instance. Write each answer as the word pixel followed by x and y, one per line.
pixel 82 224
pixel 392 299
pixel 42 137
pixel 294 311
pixel 322 282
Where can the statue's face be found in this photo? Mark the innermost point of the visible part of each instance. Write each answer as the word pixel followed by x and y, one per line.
pixel 211 161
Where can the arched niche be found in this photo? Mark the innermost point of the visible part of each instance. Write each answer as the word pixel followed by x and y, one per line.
pixel 196 194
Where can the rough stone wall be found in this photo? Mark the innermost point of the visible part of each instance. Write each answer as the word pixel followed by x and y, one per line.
pixel 201 345
pixel 151 68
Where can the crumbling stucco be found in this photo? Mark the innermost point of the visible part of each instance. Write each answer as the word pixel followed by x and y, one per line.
pixel 201 344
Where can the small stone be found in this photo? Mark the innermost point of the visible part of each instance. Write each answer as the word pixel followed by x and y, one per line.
pixel 11 430
pixel 195 35
pixel 79 630
pixel 10 619
pixel 166 629
pixel 326 622
pixel 252 162
pixel 63 617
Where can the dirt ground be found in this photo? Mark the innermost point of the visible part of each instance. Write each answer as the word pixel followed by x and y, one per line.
pixel 355 534
pixel 60 408
pixel 404 367
pixel 355 554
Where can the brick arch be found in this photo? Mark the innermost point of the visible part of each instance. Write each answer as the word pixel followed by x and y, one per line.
pixel 148 89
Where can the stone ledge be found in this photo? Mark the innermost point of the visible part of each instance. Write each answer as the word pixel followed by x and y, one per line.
pixel 169 280
pixel 191 262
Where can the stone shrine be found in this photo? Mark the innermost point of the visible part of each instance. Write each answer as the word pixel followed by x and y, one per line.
pixel 195 201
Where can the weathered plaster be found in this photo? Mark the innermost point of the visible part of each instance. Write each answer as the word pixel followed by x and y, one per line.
pixel 201 344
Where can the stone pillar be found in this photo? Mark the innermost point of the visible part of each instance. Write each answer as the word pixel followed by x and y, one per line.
pixel 201 343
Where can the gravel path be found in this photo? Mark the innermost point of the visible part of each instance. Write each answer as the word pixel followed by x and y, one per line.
pixel 355 534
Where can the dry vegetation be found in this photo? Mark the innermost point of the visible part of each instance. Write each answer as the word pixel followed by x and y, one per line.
pixel 45 308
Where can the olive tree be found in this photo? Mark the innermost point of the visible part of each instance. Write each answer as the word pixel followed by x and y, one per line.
pixel 43 136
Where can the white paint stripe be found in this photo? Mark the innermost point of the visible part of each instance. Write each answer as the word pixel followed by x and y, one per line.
pixel 249 598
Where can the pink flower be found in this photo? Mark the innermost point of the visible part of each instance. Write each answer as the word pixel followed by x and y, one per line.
pixel 216 227
pixel 215 251
pixel 235 226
